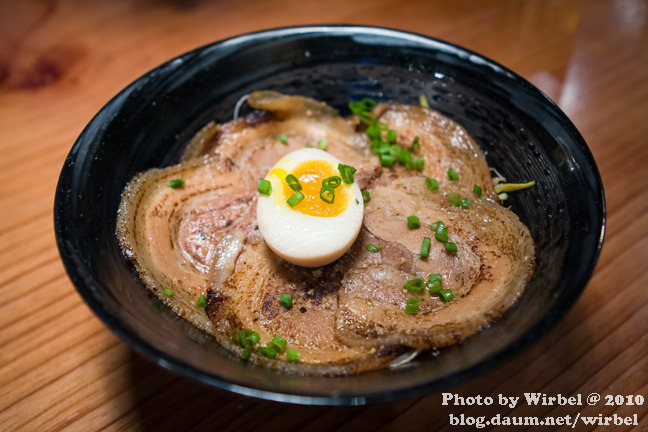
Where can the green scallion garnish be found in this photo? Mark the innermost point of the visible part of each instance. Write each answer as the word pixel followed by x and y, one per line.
pixel 176 183
pixel 419 163
pixel 416 144
pixel 201 302
pixel 432 184
pixel 167 292
pixel 322 145
pixel 412 305
pixel 268 351
pixel 414 285
pixel 327 195
pixel 466 203
pixel 446 295
pixel 283 138
pixel 286 300
pixel 292 355
pixel 332 182
pixel 452 175
pixel 346 172
pixel 247 351
pixel 373 248
pixel 387 160
pixel 292 181
pixel 425 247
pixel 440 231
pixel 434 283
pixel 413 222
pixel 478 191
pixel 455 199
pixel 403 156
pixel 391 136
pixel 278 343
pixel 366 197
pixel 264 187
pixel 451 247
pixel 295 199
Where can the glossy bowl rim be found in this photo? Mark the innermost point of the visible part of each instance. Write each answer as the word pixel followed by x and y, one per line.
pixel 82 279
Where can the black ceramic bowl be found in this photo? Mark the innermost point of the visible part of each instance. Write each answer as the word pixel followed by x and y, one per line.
pixel 523 133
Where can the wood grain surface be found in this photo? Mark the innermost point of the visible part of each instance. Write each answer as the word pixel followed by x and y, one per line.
pixel 60 61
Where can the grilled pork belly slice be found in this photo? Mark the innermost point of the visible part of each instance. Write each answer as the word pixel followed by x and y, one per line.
pixel 444 145
pixel 250 299
pixel 253 142
pixel 489 271
pixel 172 234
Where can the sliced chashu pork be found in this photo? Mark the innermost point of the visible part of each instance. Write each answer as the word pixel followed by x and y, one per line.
pixel 202 239
pixel 487 274
pixel 253 145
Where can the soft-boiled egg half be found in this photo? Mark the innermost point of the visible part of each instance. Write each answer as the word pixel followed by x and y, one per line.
pixel 309 216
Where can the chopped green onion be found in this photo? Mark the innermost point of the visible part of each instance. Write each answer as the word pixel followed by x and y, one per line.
pixel 478 191
pixel 201 302
pixel 366 197
pixel 451 247
pixel 432 184
pixel 176 183
pixel 250 337
pixel 466 203
pixel 264 187
pixel 416 144
pixel 293 182
pixel 409 164
pixel 245 337
pixel 279 343
pixel 292 355
pixel 327 195
pixel 373 131
pixel 347 172
pixel 387 160
pixel 357 202
pixel 434 283
pixel 267 351
pixel 322 145
pixel 452 175
pixel 440 231
pixel 373 248
pixel 418 163
pixel 446 295
pixel 425 247
pixel 167 292
pixel 414 285
pixel 454 199
pixel 286 300
pixel 413 222
pixel 412 305
pixel 403 156
pixel 423 101
pixel 332 182
pixel 295 199
pixel 362 106
pixel 434 277
pixel 247 351
pixel 391 136
pixel 283 138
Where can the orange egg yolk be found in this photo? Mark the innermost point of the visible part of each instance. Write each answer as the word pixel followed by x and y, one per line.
pixel 310 175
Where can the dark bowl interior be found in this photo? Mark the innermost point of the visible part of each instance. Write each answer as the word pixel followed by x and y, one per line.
pixel 524 135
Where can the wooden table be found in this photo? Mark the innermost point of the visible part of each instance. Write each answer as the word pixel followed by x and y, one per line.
pixel 60 61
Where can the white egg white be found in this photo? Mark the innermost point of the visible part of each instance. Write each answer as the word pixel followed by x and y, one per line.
pixel 302 239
